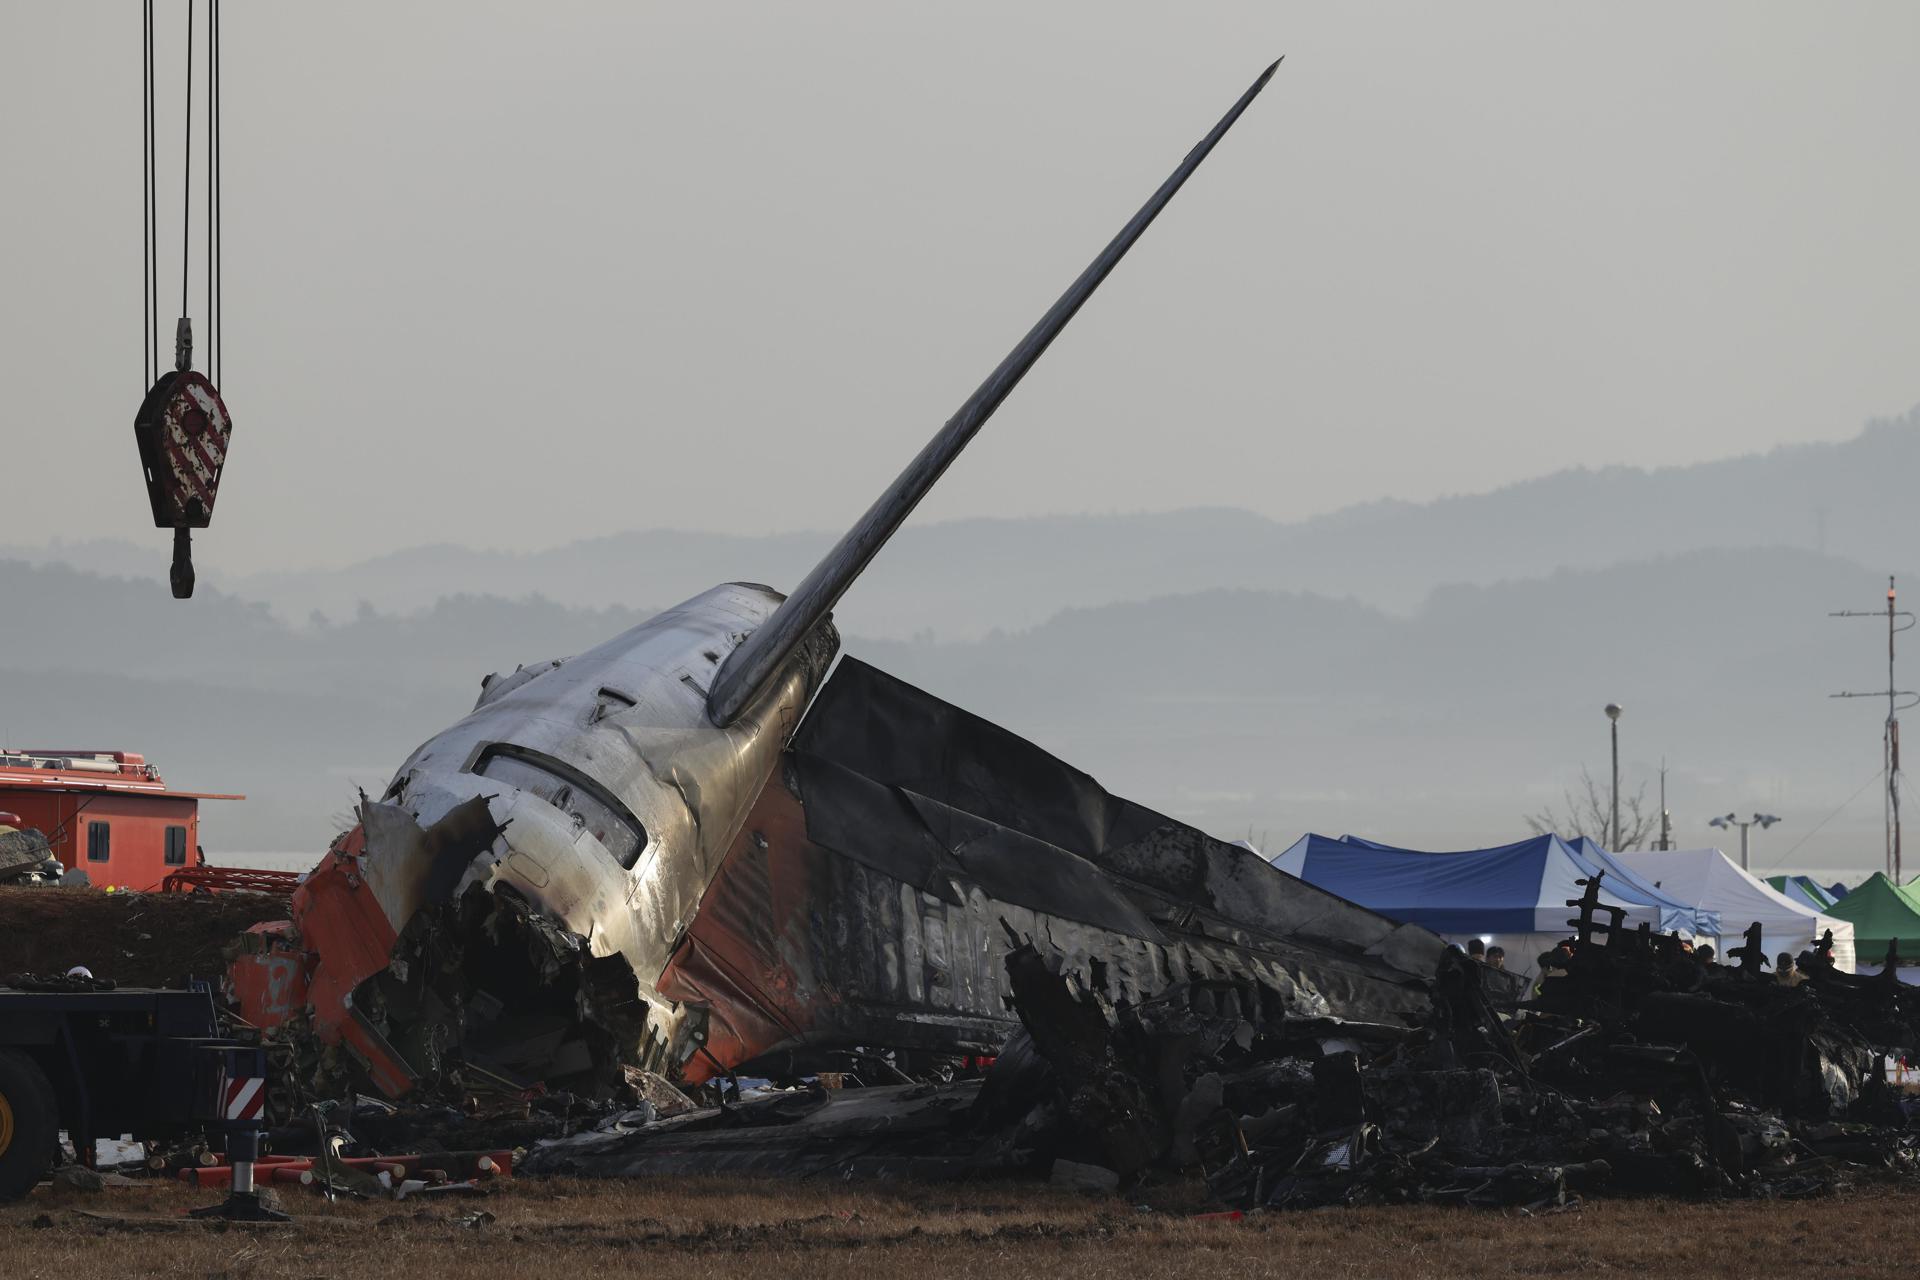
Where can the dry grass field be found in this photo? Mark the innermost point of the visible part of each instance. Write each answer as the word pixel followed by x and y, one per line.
pixel 767 1231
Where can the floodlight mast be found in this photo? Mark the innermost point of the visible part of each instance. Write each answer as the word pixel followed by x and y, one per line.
pixel 1890 742
pixel 1762 820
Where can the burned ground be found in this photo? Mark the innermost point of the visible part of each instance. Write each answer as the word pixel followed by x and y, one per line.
pixel 712 1227
pixel 132 939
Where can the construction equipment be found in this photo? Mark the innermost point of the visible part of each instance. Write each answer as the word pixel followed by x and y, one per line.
pixel 78 1055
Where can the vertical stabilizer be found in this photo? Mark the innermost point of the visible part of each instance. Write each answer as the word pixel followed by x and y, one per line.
pixel 763 653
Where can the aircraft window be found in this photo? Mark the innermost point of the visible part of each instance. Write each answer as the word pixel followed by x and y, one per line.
pixel 571 792
pixel 610 702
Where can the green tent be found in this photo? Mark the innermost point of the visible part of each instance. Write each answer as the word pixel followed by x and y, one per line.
pixel 1882 910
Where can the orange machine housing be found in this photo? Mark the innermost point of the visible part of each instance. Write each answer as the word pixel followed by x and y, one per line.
pixel 106 812
pixel 308 966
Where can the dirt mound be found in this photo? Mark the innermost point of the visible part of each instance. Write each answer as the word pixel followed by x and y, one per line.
pixel 135 939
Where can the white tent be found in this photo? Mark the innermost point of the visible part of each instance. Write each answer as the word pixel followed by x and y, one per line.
pixel 1709 879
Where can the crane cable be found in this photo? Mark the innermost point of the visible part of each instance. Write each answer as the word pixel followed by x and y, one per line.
pixel 151 368
pixel 186 165
pixel 149 268
pixel 216 303
pixel 183 428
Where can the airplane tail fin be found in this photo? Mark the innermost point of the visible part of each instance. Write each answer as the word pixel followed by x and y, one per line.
pixel 750 666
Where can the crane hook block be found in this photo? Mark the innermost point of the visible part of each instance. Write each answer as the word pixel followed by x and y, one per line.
pixel 183 431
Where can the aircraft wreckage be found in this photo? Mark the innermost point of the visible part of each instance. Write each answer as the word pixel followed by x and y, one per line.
pixel 692 851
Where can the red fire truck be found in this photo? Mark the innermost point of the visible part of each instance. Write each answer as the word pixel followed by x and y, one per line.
pixel 105 812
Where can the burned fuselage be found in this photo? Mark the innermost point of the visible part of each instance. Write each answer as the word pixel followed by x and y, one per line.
pixel 612 796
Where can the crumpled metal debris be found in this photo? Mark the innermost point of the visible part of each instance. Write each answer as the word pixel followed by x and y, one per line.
pixel 1635 1069
pixel 482 993
pixel 918 1130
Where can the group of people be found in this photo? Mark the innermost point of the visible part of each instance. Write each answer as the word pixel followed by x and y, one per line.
pixel 1492 957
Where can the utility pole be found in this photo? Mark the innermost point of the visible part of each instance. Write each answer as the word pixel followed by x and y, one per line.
pixel 1613 717
pixel 1890 741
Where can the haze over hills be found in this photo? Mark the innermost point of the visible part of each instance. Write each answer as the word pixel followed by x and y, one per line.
pixel 1212 664
pixel 1243 711
pixel 961 579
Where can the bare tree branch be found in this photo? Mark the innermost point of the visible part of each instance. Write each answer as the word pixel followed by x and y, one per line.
pixel 1588 813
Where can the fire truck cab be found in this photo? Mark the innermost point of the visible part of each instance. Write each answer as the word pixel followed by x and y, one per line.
pixel 105 812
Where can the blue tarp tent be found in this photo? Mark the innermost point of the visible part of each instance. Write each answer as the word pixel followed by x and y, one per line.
pixel 1519 888
pixel 1513 896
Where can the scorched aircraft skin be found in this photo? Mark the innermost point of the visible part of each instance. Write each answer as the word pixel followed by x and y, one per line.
pixel 632 832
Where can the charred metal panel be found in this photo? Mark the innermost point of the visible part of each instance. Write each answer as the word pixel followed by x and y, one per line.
pixel 881 728
pixel 1015 867
pixel 857 909
pixel 898 738
pixel 884 729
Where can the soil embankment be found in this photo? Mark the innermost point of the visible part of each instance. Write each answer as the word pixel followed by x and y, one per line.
pixel 134 939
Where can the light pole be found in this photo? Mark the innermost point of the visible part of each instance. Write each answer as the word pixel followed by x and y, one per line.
pixel 1666 814
pixel 1733 820
pixel 1613 718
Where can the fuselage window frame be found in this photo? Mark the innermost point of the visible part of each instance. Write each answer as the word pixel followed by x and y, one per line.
pixel 590 804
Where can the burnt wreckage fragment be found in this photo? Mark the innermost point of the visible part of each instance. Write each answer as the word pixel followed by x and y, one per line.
pixel 868 899
pixel 1635 1068
pixel 866 908
pixel 1598 1083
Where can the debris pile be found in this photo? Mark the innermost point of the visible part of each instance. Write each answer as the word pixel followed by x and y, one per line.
pixel 26 857
pixel 1636 1069
pixel 484 992
pixel 478 995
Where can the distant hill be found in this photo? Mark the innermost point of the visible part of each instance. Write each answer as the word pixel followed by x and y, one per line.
pixel 960 579
pixel 54 616
pixel 1439 730
pixel 1241 710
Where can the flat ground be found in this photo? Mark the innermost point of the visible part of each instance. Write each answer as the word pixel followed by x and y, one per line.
pixel 569 1230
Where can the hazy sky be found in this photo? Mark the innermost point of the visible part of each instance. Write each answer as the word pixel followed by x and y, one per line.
pixel 517 274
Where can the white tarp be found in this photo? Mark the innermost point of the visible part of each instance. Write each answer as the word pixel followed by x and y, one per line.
pixel 1709 879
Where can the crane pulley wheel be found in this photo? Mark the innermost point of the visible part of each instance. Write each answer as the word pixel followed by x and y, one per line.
pixel 183 431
